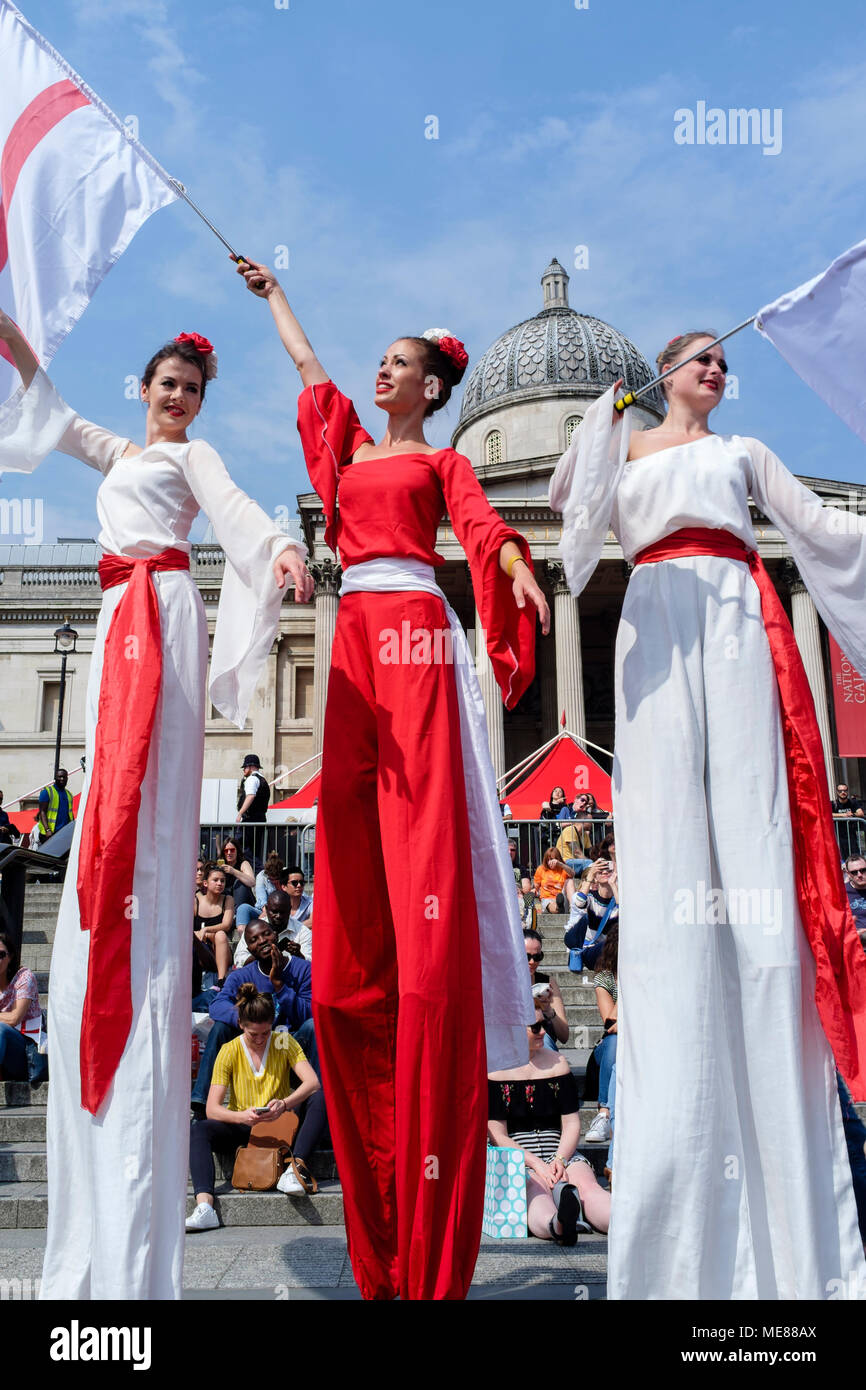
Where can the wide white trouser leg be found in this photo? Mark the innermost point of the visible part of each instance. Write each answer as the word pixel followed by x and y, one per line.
pixel 117 1181
pixel 732 1177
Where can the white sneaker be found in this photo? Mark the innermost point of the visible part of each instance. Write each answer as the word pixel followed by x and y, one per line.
pixel 289 1184
pixel 599 1130
pixel 204 1218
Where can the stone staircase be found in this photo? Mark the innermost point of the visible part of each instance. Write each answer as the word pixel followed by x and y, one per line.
pixel 270 1216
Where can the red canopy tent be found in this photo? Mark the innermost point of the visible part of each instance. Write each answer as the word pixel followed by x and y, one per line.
pixel 302 798
pixel 564 765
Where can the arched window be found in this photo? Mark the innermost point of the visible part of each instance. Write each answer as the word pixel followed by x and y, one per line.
pixel 493 447
pixel 571 425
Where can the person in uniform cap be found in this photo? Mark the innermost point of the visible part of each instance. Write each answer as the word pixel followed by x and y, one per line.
pixel 254 792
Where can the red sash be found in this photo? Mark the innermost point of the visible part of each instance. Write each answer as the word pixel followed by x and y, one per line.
pixel 840 990
pixel 128 695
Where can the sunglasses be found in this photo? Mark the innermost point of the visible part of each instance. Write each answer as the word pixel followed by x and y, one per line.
pixel 536 1027
pixel 705 359
pixel 297 882
pixel 4 955
pixel 538 956
pixel 857 873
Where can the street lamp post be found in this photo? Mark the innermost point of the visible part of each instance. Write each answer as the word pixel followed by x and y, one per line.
pixel 65 639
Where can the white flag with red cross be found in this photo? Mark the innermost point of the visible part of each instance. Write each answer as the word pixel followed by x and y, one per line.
pixel 74 189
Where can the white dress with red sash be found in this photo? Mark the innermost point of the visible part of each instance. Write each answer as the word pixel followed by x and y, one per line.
pixel 731 1174
pixel 117 1180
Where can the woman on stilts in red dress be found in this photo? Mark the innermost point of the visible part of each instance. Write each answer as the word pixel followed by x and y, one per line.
pixel 416 904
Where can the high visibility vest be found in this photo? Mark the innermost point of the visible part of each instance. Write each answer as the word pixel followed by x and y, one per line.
pixel 54 805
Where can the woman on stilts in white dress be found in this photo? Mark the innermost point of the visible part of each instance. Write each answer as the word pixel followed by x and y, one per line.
pixel 119 1047
pixel 739 964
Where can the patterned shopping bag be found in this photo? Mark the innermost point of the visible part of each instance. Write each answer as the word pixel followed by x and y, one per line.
pixel 505 1194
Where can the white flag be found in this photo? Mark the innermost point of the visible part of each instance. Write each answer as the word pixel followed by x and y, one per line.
pixel 74 189
pixel 820 329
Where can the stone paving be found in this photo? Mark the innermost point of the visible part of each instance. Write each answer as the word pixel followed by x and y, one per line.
pixel 275 1263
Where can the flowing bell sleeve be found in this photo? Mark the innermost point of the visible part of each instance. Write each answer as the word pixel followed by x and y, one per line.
pixel 583 488
pixel 829 548
pixel 36 420
pixel 249 607
pixel 330 433
pixel 828 545
pixel 509 630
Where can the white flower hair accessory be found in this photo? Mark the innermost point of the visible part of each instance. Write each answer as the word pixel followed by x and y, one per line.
pixel 449 345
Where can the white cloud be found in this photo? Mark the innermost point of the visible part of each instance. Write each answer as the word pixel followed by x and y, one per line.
pixel 155 24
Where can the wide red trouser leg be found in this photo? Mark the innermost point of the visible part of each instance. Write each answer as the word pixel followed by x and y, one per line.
pixel 397 973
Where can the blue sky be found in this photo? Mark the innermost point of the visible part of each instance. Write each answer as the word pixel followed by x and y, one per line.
pixel 304 127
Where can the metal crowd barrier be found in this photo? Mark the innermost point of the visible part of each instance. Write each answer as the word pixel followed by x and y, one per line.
pixel 296 844
pixel 535 836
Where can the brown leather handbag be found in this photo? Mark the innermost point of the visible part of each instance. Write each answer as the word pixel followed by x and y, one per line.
pixel 259 1165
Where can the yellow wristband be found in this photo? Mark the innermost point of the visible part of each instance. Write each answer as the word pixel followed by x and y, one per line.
pixel 512 562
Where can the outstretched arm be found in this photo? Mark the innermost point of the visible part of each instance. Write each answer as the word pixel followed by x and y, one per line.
pixel 35 420
pixel 262 281
pixel 21 351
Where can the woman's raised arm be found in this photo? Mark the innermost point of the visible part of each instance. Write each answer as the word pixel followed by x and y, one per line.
pixel 35 420
pixel 21 351
pixel 262 281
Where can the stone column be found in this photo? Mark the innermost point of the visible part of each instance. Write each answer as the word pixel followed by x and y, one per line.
pixel 327 574
pixel 545 650
pixel 492 697
pixel 569 663
pixel 804 618
pixel 264 712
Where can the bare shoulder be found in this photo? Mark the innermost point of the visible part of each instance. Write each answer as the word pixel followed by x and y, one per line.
pixel 512 1074
pixel 558 1067
pixel 377 451
pixel 645 442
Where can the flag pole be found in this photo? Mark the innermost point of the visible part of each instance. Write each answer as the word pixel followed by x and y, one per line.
pixel 235 255
pixel 631 396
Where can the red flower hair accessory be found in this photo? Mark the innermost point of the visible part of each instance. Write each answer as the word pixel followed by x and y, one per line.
pixel 447 343
pixel 206 350
pixel 453 348
pixel 197 340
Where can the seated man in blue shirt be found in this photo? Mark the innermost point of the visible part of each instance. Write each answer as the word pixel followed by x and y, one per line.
pixel 290 983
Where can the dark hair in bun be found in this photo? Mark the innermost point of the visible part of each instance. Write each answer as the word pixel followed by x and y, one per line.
pixel 437 363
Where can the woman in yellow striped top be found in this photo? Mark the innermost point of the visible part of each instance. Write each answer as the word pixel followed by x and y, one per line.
pixel 256 1069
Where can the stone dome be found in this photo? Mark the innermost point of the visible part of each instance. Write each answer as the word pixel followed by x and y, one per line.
pixel 553 351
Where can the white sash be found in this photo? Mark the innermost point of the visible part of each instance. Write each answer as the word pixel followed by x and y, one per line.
pixel 508 1003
